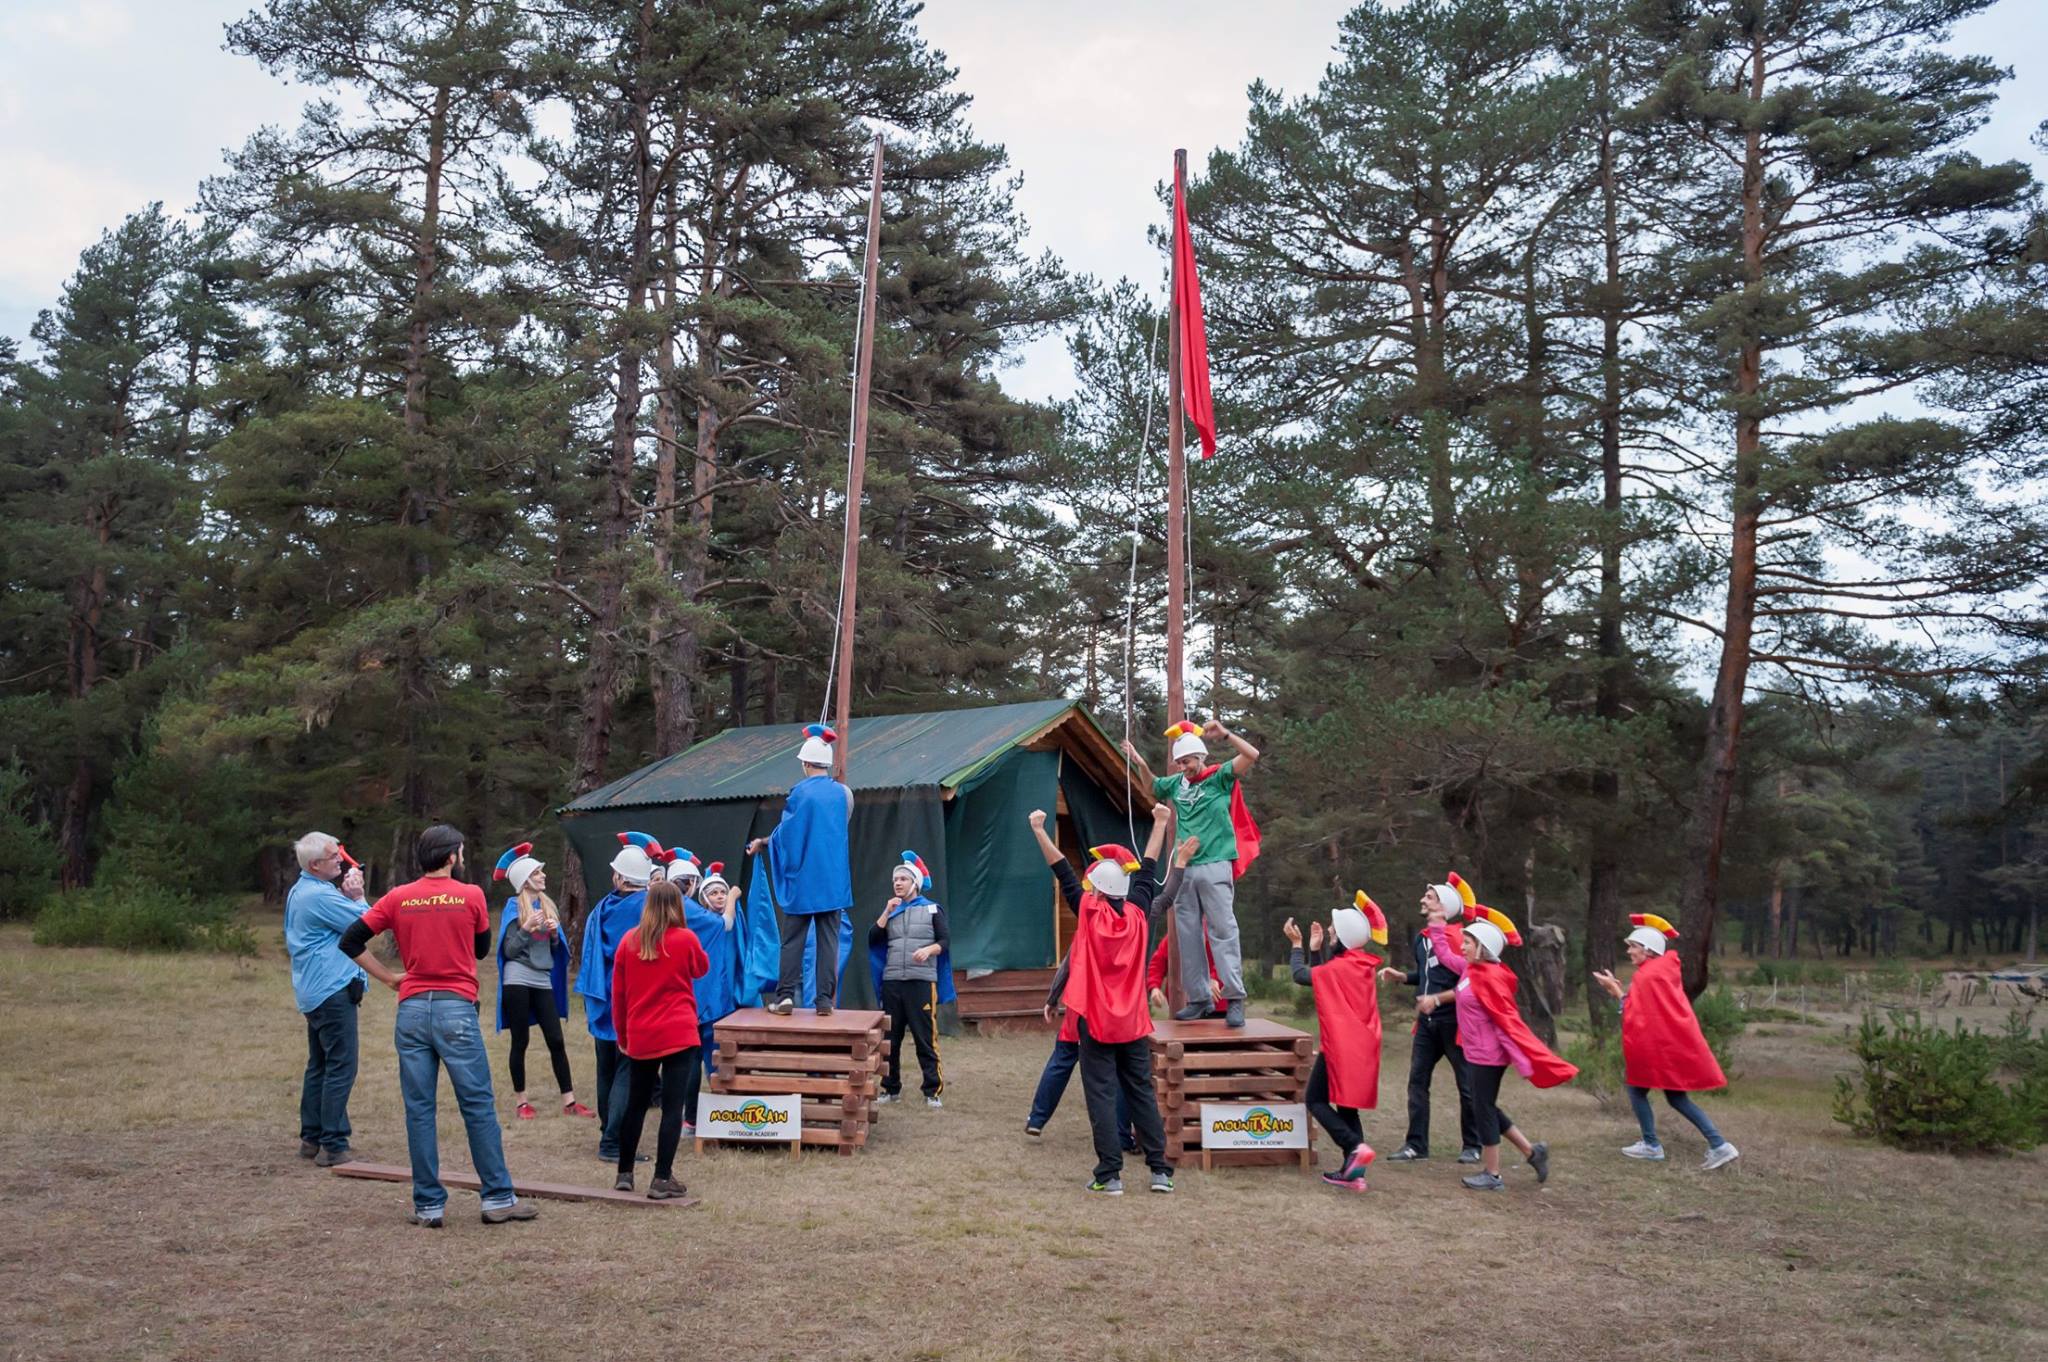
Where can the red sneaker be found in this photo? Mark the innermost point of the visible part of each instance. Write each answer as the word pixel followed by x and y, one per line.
pixel 1346 1182
pixel 577 1109
pixel 1360 1157
pixel 526 1111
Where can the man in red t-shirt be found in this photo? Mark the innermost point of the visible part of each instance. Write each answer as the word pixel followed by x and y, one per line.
pixel 443 928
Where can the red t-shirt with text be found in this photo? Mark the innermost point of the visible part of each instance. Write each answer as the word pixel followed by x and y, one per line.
pixel 435 921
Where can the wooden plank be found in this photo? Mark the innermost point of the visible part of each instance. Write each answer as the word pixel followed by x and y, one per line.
pixel 550 1191
pixel 800 1061
pixel 773 1084
pixel 1239 1059
pixel 845 1022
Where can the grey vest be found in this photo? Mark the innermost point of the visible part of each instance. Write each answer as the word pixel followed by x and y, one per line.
pixel 911 930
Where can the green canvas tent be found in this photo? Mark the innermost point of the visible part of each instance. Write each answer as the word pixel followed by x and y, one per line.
pixel 956 787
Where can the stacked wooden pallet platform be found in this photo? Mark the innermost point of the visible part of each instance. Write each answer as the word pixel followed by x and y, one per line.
pixel 1207 1061
pixel 834 1063
pixel 1004 1000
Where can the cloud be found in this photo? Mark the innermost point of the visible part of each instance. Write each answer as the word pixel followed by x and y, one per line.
pixel 75 23
pixel 60 208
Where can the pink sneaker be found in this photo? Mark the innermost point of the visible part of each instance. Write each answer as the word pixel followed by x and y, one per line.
pixel 526 1111
pixel 577 1109
pixel 1360 1157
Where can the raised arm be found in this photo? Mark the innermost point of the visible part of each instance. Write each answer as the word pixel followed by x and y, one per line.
pixel 1155 841
pixel 1247 755
pixel 1132 755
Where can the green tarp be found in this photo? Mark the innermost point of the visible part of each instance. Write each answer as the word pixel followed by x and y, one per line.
pixel 1001 909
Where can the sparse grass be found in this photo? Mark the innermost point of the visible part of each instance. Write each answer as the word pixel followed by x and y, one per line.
pixel 156 1208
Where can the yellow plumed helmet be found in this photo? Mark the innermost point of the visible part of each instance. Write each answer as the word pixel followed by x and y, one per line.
pixel 1479 912
pixel 1362 901
pixel 1457 882
pixel 1654 923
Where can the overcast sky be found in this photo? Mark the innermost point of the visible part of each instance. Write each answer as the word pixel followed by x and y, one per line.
pixel 106 105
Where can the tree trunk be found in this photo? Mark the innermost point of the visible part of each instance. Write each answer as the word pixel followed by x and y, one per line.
pixel 1706 832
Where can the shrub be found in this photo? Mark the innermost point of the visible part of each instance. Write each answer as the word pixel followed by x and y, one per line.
pixel 1721 1021
pixel 1928 1089
pixel 1598 1058
pixel 141 917
pixel 28 854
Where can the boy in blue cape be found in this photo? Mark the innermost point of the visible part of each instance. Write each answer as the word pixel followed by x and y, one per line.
pixel 810 872
pixel 909 952
pixel 607 924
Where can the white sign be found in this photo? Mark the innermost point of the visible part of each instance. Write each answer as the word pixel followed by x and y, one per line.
pixel 749 1116
pixel 1254 1125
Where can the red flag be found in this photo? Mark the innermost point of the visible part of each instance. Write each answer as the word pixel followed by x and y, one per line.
pixel 1194 340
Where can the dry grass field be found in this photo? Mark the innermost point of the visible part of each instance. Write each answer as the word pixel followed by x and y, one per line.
pixel 155 1207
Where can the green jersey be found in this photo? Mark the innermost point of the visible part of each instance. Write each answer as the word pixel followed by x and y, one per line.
pixel 1204 811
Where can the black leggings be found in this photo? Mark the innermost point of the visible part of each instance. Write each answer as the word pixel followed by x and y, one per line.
pixel 673 1072
pixel 1341 1122
pixel 526 1008
pixel 1491 1122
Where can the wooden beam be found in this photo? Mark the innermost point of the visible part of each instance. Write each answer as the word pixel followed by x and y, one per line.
pixel 469 1182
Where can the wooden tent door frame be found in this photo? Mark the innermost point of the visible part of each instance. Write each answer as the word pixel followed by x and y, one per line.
pixel 1068 838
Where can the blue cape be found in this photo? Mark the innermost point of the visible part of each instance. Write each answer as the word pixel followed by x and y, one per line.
pixel 809 995
pixel 715 991
pixel 610 919
pixel 758 937
pixel 878 959
pixel 808 853
pixel 558 973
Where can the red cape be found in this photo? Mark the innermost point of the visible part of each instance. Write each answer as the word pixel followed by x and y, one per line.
pixel 1155 968
pixel 1106 972
pixel 1494 988
pixel 1348 1003
pixel 1661 1044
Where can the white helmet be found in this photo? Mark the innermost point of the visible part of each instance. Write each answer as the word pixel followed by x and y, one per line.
pixel 1490 940
pixel 1649 938
pixel 634 866
pixel 1353 928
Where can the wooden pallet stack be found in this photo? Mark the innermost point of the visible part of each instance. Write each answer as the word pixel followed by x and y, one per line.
pixel 1005 1000
pixel 1207 1061
pixel 835 1063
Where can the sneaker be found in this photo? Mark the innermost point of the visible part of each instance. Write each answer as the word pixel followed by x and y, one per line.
pixel 1539 1159
pixel 1192 1012
pixel 1720 1157
pixel 689 1129
pixel 1035 1132
pixel 525 1111
pixel 824 1009
pixel 518 1210
pixel 1113 1187
pixel 1358 1160
pixel 327 1158
pixel 664 1189
pixel 1162 1182
pixel 309 1148
pixel 934 1102
pixel 782 1007
pixel 883 1099
pixel 623 1183
pixel 577 1109
pixel 1234 1014
pixel 1468 1155
pixel 425 1222
pixel 1408 1153
pixel 1483 1182
pixel 1345 1180
pixel 1644 1150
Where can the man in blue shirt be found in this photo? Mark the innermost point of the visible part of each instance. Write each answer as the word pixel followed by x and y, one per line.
pixel 328 987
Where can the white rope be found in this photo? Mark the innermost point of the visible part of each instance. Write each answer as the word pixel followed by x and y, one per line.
pixel 852 416
pixel 1131 586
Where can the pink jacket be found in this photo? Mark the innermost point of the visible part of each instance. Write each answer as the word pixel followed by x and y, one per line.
pixel 1478 1037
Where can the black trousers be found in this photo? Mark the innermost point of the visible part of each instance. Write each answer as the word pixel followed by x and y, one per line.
pixel 1340 1123
pixel 1435 1039
pixel 1126 1069
pixel 795 927
pixel 671 1073
pixel 1486 1113
pixel 913 1006
pixel 526 1008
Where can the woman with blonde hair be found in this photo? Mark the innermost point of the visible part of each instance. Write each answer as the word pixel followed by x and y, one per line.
pixel 654 1007
pixel 533 975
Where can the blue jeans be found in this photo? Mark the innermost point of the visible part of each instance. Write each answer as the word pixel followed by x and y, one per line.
pixel 435 1030
pixel 331 1051
pixel 1052 1085
pixel 1682 1103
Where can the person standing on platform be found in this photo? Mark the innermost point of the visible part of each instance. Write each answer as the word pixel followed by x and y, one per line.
pixel 1102 983
pixel 1346 1076
pixel 810 869
pixel 1494 1037
pixel 328 988
pixel 654 1006
pixel 1662 1045
pixel 1210 807
pixel 911 940
pixel 1155 968
pixel 604 927
pixel 1436 1030
pixel 443 927
pixel 533 976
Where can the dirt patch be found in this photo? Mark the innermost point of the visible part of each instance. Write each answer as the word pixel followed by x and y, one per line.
pixel 155 1208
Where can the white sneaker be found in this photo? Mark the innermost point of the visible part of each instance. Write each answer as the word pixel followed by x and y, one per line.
pixel 933 1102
pixel 883 1099
pixel 1720 1158
pixel 1643 1149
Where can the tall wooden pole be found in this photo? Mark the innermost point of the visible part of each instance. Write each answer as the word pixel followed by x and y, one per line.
pixel 849 561
pixel 1176 545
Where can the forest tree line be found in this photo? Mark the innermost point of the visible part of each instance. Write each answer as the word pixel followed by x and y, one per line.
pixel 1632 426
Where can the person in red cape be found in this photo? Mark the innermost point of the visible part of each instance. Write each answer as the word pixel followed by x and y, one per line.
pixel 1102 985
pixel 1661 1042
pixel 1346 1077
pixel 1493 1036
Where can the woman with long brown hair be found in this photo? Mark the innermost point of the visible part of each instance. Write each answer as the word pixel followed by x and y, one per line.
pixel 654 1007
pixel 533 975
